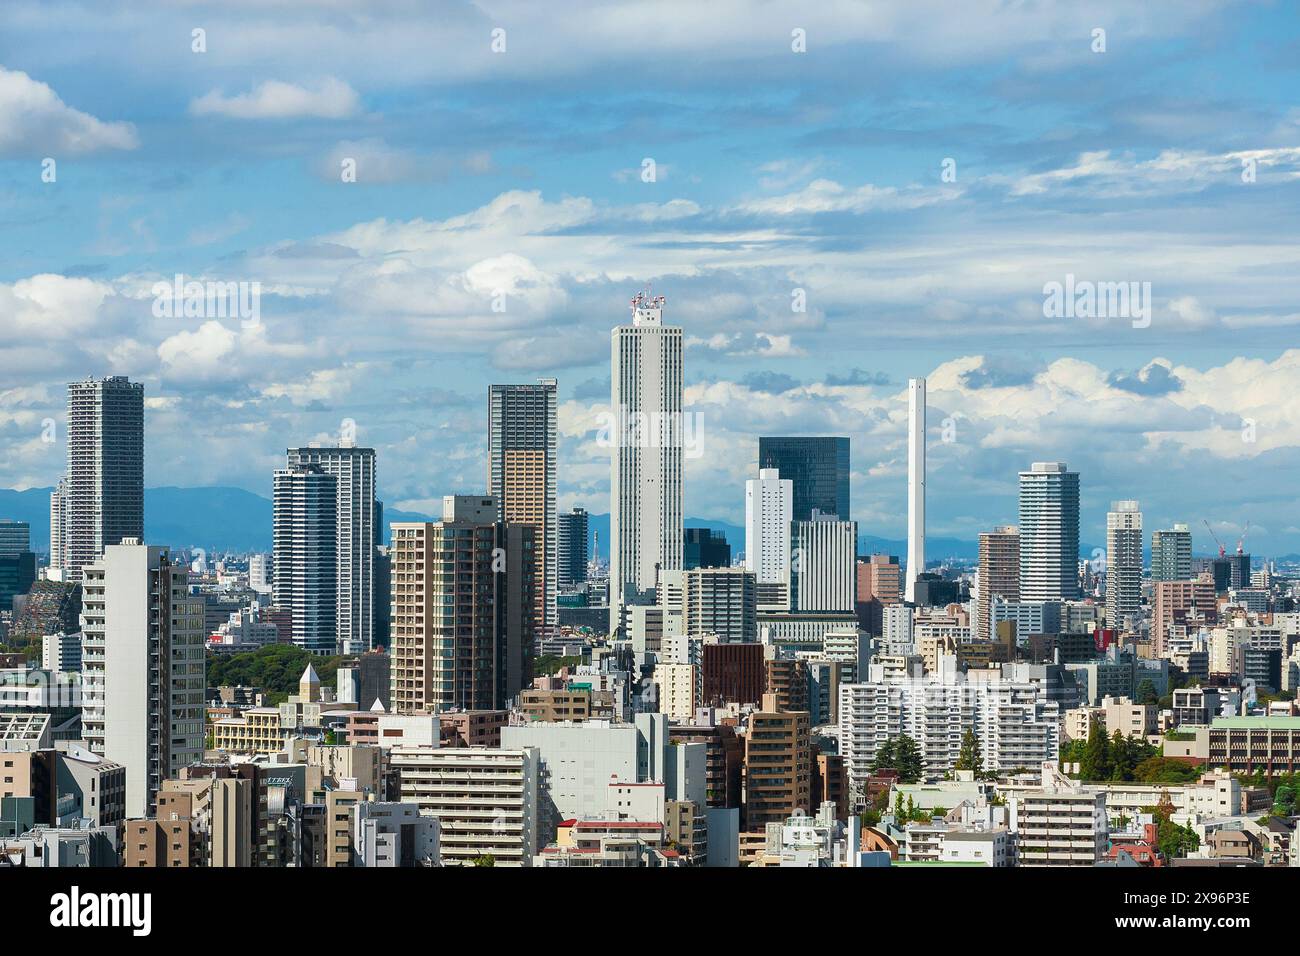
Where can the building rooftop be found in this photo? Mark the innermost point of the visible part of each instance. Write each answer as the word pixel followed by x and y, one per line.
pixel 1258 723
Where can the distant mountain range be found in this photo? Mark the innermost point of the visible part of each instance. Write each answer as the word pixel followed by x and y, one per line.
pixel 220 518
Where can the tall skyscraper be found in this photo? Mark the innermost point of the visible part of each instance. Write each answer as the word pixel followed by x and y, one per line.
pixel 143 667
pixel 102 499
pixel 823 564
pixel 999 574
pixel 58 529
pixel 1123 563
pixel 353 471
pixel 645 487
pixel 305 558
pixel 769 509
pixel 571 548
pixel 705 548
pixel 1049 533
pixel 1171 554
pixel 462 608
pixel 521 476
pixel 817 468
pixel 915 484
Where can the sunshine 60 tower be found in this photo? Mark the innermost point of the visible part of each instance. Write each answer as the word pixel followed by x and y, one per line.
pixel 646 438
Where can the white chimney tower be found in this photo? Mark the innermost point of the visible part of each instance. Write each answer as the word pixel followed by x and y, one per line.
pixel 915 483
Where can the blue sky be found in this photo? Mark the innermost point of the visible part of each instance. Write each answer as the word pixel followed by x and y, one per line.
pixel 520 173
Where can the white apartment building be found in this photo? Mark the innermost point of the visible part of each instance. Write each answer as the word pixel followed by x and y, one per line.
pixel 484 799
pixel 1014 724
pixel 647 439
pixel 142 667
pixel 1059 824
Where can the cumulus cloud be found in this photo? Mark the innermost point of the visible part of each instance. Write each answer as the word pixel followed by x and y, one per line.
pixel 331 98
pixel 35 122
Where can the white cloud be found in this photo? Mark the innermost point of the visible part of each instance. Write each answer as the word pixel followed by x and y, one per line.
pixel 331 98
pixel 34 121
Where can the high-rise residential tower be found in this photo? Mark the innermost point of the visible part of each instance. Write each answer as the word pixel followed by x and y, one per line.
pixel 142 667
pixel 1123 563
pixel 645 487
pixel 102 497
pixel 571 548
pixel 1049 533
pixel 353 471
pixel 769 509
pixel 915 484
pixel 462 608
pixel 1171 554
pixel 999 574
pixel 521 476
pixel 817 468
pixel 305 558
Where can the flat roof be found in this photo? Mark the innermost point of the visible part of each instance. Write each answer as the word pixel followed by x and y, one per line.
pixel 1258 723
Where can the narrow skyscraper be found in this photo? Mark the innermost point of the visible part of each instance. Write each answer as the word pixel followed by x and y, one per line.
pixel 102 498
pixel 915 484
pixel 521 476
pixel 646 435
pixel 1049 533
pixel 571 545
pixel 999 575
pixel 1171 554
pixel 353 471
pixel 305 559
pixel 1123 563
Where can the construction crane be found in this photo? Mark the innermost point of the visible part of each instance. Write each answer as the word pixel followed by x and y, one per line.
pixel 1222 550
pixel 1242 540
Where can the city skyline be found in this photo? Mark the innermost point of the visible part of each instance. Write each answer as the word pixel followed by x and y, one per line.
pixel 379 305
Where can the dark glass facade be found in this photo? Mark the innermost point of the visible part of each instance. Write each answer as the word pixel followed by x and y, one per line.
pixel 819 468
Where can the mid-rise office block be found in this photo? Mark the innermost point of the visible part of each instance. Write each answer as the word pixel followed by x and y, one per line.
pixel 721 602
pixel 1171 554
pixel 778 765
pixel 823 564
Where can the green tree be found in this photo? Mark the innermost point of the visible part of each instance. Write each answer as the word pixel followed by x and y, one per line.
pixel 907 759
pixel 1123 758
pixel 1095 764
pixel 969 756
pixel 884 757
pixel 1146 692
pixel 487 859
